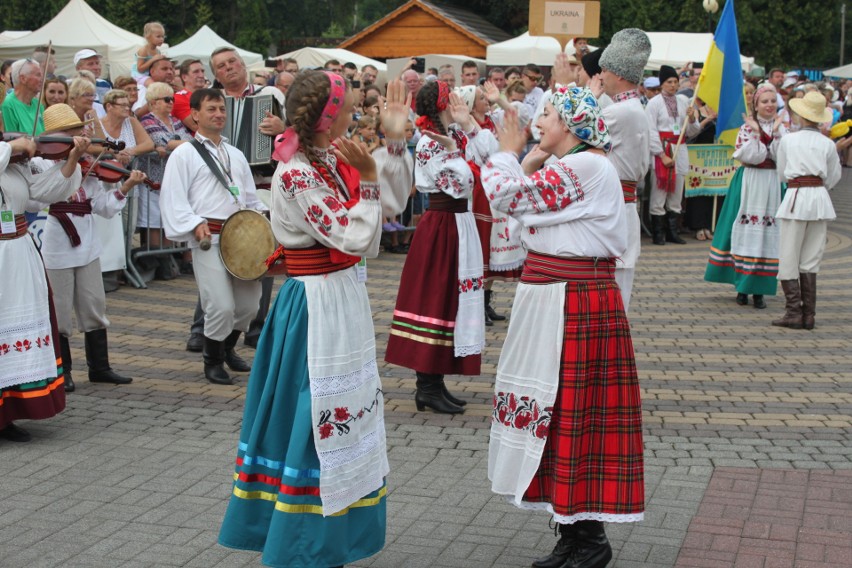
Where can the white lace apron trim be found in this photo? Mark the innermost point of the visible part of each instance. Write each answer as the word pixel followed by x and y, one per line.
pixel 469 332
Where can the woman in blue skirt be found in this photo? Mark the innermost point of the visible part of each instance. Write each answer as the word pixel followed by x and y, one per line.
pixel 309 485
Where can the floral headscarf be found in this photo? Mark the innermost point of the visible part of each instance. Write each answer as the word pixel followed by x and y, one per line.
pixel 579 110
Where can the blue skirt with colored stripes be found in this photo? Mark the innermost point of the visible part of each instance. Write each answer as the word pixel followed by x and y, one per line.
pixel 275 506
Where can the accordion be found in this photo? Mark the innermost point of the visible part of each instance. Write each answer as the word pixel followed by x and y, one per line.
pixel 243 117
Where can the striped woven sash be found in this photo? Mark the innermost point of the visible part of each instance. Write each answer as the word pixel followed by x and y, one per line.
pixel 20 229
pixel 215 225
pixel 311 261
pixel 629 190
pixel 540 268
pixel 61 211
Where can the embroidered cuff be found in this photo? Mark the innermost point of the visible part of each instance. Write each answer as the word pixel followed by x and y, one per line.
pixel 369 191
pixel 396 147
pixel 118 195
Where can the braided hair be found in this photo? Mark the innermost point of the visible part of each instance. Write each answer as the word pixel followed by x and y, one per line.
pixel 306 98
pixel 427 105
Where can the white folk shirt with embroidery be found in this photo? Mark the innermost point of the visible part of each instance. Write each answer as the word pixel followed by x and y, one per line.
pixel 440 171
pixel 750 150
pixel 629 129
pixel 808 153
pixel 306 211
pixel 569 208
pixel 191 192
pixel 660 121
pixel 56 247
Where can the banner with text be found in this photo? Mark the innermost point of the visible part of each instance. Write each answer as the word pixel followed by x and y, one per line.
pixel 711 167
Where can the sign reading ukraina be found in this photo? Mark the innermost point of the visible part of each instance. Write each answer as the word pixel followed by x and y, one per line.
pixel 565 20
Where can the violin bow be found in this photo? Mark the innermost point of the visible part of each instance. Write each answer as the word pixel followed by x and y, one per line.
pixel 41 90
pixel 94 163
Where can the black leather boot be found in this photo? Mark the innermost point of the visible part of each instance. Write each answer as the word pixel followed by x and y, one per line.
pixel 759 303
pixel 658 233
pixel 15 433
pixel 65 350
pixel 97 357
pixel 591 547
pixel 430 393
pixel 671 229
pixel 742 299
pixel 448 396
pixel 214 359
pixel 807 284
pixel 561 551
pixel 234 361
pixel 489 310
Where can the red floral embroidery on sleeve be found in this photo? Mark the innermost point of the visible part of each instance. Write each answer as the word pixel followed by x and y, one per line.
pixel 296 181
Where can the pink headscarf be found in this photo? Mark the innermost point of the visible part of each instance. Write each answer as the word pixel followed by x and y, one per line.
pixel 762 88
pixel 287 144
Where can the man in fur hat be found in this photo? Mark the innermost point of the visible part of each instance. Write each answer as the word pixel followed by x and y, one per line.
pixel 622 64
pixel 666 114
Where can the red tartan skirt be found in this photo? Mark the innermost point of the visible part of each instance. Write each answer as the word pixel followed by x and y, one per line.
pixel 421 336
pixel 592 462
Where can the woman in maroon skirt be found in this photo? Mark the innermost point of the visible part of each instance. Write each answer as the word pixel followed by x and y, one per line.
pixel 566 433
pixel 438 324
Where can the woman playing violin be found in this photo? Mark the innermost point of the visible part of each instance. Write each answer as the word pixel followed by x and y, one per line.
pixel 72 248
pixel 31 374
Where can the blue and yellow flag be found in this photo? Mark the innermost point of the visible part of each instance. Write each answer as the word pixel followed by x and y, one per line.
pixel 720 84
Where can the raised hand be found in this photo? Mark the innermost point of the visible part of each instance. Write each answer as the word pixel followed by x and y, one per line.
pixel 562 73
pixel 358 156
pixel 492 93
pixel 460 112
pixel 512 137
pixel 534 160
pixel 395 115
pixel 595 85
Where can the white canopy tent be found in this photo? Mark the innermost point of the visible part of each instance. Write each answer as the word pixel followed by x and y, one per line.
pixel 540 50
pixel 396 65
pixel 317 56
pixel 203 42
pixel 678 49
pixel 74 28
pixel 9 35
pixel 844 72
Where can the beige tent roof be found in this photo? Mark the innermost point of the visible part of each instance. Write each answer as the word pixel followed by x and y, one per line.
pixel 78 27
pixel 203 42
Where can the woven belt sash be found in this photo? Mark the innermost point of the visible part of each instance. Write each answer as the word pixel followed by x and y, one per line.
pixel 215 225
pixel 20 229
pixel 442 202
pixel 61 211
pixel 311 261
pixel 802 181
pixel 629 190
pixel 766 164
pixel 542 268
pixel 805 181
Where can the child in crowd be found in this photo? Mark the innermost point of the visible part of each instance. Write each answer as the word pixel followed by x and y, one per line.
pixel 390 222
pixel 155 35
pixel 366 132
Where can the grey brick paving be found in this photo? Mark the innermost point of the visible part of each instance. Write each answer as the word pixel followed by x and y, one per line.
pixel 139 476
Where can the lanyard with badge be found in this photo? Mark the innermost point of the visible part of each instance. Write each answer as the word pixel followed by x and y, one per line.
pixel 7 216
pixel 219 169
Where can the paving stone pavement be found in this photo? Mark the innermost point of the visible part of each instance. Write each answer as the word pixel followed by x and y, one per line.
pixel 139 476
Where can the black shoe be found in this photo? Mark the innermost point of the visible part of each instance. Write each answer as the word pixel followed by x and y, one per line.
pixel 15 433
pixel 234 361
pixel 591 547
pixel 561 551
pixel 214 358
pixel 657 231
pixel 251 341
pixel 489 310
pixel 488 322
pixel 742 299
pixel 97 357
pixel 430 394
pixel 65 351
pixel 759 304
pixel 195 343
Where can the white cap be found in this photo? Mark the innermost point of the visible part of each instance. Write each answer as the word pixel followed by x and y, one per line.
pixel 792 74
pixel 84 54
pixel 652 83
pixel 789 82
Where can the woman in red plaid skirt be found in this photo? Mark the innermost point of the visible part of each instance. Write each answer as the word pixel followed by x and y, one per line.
pixel 566 434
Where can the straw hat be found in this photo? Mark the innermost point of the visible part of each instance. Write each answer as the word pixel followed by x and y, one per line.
pixel 61 117
pixel 811 107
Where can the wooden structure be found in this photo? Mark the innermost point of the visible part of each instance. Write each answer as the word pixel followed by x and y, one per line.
pixel 419 27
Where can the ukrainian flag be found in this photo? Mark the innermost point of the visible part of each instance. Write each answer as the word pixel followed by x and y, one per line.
pixel 720 84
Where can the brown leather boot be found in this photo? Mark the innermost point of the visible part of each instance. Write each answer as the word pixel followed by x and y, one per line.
pixel 807 281
pixel 793 314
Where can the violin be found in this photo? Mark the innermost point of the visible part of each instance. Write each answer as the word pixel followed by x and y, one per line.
pixel 110 171
pixel 55 146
